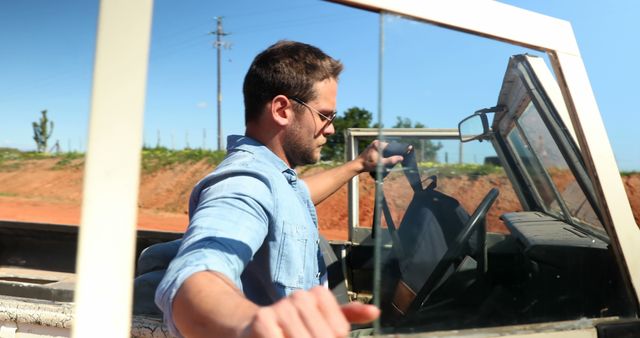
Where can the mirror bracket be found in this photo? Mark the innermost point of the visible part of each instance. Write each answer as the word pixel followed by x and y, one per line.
pixel 482 115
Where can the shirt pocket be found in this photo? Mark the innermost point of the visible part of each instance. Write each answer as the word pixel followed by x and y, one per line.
pixel 292 256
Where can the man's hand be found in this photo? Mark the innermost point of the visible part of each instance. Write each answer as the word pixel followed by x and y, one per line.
pixel 313 313
pixel 370 156
pixel 325 183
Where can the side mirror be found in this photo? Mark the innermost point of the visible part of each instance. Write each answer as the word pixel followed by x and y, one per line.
pixel 476 126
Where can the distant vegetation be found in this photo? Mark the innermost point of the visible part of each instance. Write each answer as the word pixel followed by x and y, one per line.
pixel 12 154
pixel 152 158
pixel 12 159
pixel 68 159
pixel 161 157
pixel 466 169
pixel 355 117
pixel 157 158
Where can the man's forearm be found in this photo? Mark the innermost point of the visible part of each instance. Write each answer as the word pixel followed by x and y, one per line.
pixel 325 183
pixel 209 305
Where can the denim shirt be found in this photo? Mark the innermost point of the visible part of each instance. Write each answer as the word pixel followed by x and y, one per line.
pixel 251 219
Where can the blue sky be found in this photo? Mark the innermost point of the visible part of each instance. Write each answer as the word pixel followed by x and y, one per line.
pixel 431 75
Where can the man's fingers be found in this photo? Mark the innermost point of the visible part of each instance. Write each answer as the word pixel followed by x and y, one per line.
pixel 308 306
pixel 264 325
pixel 330 309
pixel 289 319
pixel 392 160
pixel 313 313
pixel 357 313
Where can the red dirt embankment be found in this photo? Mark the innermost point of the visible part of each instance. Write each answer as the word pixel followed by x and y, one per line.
pixel 39 192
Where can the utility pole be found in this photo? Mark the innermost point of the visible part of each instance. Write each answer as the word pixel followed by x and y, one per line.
pixel 218 45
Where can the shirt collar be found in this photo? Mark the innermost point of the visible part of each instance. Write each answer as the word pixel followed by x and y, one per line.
pixel 246 143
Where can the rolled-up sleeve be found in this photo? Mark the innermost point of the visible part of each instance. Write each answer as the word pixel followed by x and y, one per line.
pixel 226 229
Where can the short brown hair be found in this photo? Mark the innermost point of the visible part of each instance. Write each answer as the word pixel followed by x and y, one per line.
pixel 286 68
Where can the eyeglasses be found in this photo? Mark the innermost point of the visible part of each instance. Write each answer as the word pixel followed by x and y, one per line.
pixel 326 118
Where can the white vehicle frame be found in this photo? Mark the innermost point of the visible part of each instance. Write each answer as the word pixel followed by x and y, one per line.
pixel 115 139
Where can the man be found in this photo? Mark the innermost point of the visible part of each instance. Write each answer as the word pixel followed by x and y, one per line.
pixel 249 264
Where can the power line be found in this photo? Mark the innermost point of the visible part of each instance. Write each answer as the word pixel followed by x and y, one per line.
pixel 218 45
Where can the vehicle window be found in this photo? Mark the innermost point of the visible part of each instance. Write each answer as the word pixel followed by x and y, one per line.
pixel 463 171
pixel 535 174
pixel 543 153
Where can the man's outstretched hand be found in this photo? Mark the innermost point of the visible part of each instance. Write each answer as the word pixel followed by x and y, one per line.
pixel 370 156
pixel 313 313
pixel 325 183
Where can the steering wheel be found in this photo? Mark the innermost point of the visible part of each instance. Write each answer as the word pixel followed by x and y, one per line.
pixel 456 249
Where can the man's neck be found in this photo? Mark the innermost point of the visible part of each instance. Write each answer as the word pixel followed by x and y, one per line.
pixel 270 140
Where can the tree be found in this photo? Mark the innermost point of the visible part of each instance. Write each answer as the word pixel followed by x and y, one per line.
pixel 425 149
pixel 354 117
pixel 361 118
pixel 42 132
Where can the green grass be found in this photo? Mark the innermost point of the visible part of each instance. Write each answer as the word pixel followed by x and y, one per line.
pixel 430 168
pixel 466 169
pixel 157 158
pixel 68 159
pixel 10 154
pixel 7 194
pixel 152 158
pixel 11 159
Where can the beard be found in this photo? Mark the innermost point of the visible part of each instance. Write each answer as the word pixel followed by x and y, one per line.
pixel 299 146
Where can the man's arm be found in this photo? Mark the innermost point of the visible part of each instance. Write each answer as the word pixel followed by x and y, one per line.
pixel 324 184
pixel 209 305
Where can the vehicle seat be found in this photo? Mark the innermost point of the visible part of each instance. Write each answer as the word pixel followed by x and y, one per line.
pixel 152 265
pixel 154 261
pixel 430 225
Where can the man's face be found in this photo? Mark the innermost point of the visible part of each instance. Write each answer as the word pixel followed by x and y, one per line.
pixel 308 132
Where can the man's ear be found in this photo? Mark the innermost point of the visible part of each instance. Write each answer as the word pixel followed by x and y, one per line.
pixel 281 110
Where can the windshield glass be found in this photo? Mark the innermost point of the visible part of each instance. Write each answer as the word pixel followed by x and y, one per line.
pixel 464 171
pixel 548 170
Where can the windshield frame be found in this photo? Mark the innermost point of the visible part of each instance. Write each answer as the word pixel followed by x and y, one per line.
pixel 523 85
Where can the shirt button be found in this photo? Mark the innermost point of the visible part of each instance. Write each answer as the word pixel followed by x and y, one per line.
pixel 318 274
pixel 317 241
